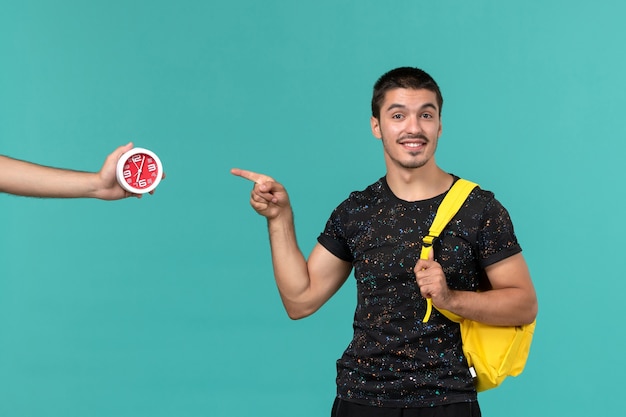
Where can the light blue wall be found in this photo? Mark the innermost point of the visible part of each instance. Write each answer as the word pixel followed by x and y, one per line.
pixel 166 306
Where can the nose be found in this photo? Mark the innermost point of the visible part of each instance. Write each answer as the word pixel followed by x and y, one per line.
pixel 413 125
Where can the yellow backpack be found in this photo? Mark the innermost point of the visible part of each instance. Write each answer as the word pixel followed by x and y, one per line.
pixel 492 352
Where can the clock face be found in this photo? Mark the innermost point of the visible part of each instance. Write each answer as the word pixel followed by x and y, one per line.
pixel 139 171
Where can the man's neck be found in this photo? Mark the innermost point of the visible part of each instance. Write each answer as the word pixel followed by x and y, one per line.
pixel 419 184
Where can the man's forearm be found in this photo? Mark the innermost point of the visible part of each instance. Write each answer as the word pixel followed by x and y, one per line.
pixel 500 307
pixel 28 179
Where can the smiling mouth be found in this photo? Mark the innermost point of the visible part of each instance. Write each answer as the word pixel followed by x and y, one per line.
pixel 413 144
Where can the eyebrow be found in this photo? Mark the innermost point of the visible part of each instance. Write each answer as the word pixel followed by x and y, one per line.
pixel 402 106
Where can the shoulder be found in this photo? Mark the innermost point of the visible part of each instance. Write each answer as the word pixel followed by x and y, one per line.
pixel 372 194
pixel 486 201
pixel 479 198
pixel 482 205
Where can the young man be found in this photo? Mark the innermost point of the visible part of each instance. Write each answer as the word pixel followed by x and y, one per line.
pixel 396 364
pixel 32 180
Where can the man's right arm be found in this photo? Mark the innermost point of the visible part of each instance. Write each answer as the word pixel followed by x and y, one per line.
pixel 304 286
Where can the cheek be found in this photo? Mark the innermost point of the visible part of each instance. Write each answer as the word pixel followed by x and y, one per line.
pixel 391 131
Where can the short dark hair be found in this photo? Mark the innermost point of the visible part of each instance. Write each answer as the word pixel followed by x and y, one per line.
pixel 403 77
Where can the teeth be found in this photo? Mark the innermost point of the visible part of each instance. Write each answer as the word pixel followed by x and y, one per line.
pixel 413 145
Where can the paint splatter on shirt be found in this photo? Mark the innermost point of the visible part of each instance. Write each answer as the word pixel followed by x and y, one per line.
pixel 394 358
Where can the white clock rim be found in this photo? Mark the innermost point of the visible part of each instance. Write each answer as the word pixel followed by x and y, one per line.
pixel 120 169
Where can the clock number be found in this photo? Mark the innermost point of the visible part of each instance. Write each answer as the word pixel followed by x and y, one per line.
pixel 136 158
pixel 152 167
pixel 142 183
pixel 127 173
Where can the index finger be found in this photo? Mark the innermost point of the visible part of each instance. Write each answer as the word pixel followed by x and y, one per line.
pixel 251 176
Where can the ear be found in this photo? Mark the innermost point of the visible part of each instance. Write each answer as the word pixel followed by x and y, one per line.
pixel 375 124
pixel 440 129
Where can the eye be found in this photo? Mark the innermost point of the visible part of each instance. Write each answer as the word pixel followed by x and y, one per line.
pixel 427 116
pixel 397 116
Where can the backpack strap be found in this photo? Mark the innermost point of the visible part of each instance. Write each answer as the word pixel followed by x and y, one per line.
pixel 450 205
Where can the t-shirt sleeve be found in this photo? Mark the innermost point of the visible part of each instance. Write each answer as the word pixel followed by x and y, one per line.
pixel 496 237
pixel 333 238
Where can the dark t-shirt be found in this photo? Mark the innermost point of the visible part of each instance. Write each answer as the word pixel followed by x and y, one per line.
pixel 395 359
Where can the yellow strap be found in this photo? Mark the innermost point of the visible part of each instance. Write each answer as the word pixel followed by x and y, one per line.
pixel 429 303
pixel 450 205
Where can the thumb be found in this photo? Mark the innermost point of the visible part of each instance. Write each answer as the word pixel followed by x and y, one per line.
pixel 431 254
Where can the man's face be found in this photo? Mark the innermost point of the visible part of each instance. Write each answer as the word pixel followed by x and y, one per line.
pixel 409 127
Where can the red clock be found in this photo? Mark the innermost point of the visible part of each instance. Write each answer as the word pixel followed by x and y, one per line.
pixel 139 171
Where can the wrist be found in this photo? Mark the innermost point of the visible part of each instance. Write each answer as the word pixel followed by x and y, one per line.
pixel 283 216
pixel 282 221
pixel 453 301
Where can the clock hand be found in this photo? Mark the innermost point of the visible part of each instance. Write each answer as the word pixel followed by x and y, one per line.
pixel 140 168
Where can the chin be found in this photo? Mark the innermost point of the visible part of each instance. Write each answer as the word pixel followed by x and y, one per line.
pixel 413 164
